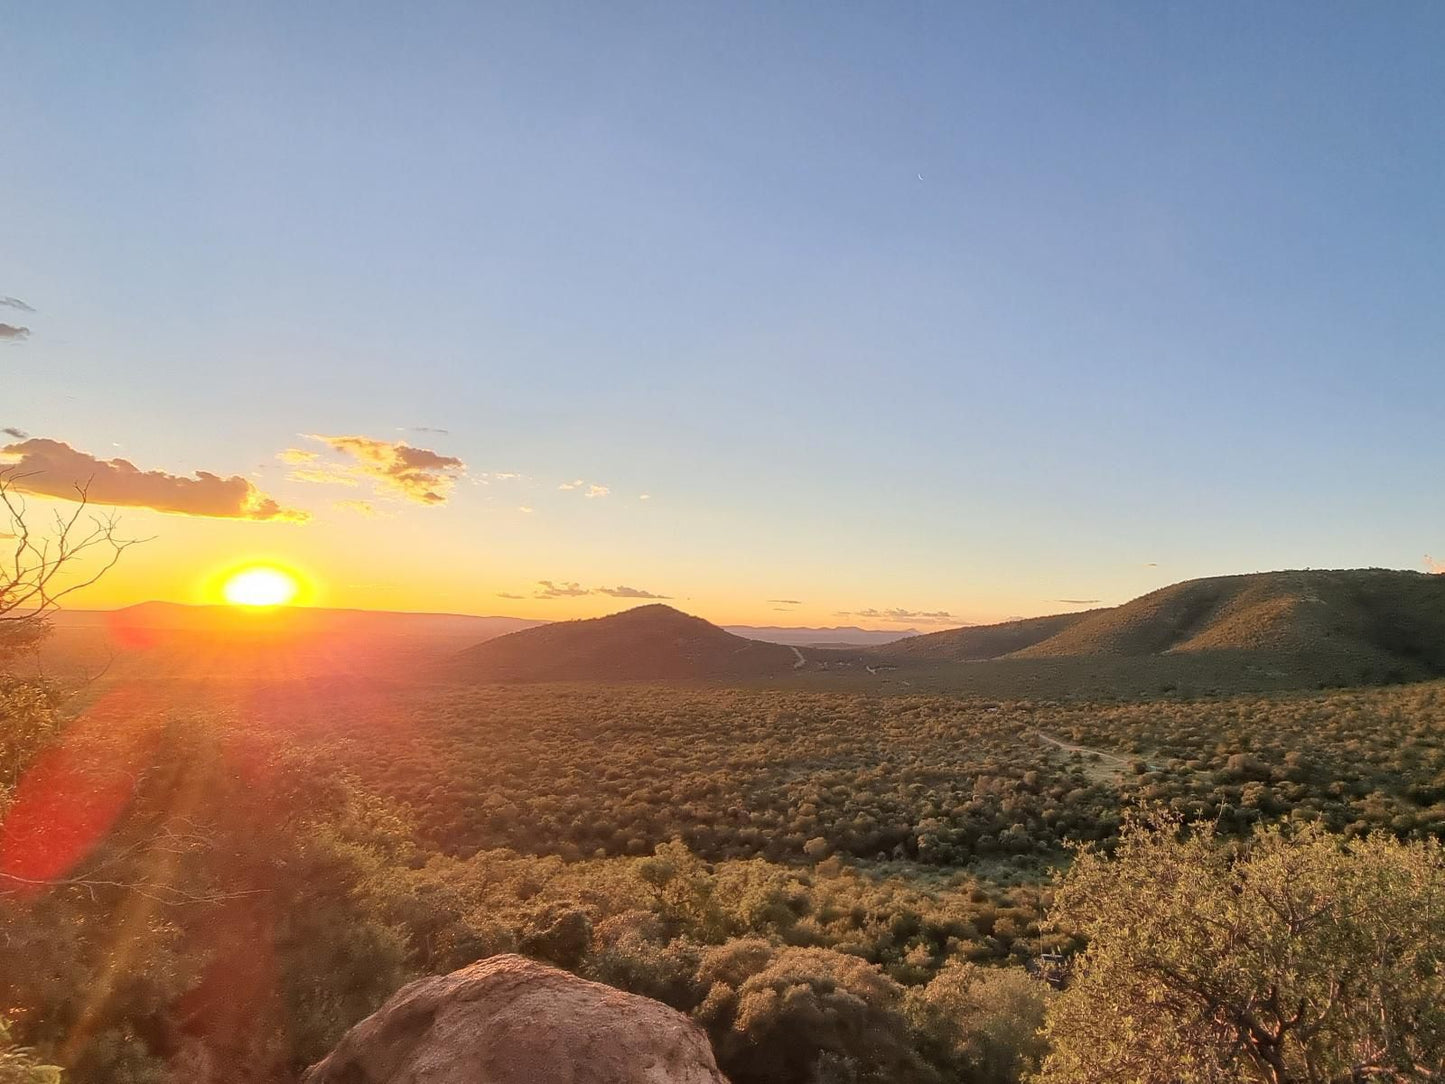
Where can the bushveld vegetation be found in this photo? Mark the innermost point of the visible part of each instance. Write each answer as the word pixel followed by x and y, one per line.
pixel 584 771
pixel 212 880
pixel 303 848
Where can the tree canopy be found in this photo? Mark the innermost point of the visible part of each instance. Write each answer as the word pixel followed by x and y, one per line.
pixel 1294 958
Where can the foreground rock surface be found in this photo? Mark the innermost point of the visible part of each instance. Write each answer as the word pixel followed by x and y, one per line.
pixel 511 1020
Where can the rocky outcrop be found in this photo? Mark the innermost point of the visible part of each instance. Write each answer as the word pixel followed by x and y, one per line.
pixel 511 1020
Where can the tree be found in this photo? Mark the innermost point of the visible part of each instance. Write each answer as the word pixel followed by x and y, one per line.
pixel 804 1015
pixel 1299 958
pixel 42 567
pixel 39 571
pixel 19 1065
pixel 986 1020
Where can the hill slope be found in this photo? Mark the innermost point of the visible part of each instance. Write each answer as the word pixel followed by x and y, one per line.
pixel 1373 615
pixel 977 642
pixel 1333 627
pixel 649 643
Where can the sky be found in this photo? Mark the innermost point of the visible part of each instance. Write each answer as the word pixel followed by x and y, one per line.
pixel 897 315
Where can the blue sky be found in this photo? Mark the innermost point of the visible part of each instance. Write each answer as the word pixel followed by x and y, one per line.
pixel 956 309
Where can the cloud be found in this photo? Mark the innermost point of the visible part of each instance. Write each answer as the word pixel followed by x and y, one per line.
pixel 430 429
pixel 526 508
pixel 626 592
pixel 1078 601
pixel 548 589
pixel 52 468
pixel 15 303
pixel 786 601
pixel 298 455
pixel 898 615
pixel 571 589
pixel 644 496
pixel 1434 566
pixel 508 594
pixel 364 508
pixel 325 475
pixel 18 434
pixel 394 467
pixel 13 333
pixel 593 489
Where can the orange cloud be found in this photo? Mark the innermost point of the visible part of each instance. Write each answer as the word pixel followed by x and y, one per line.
pixel 417 474
pixel 52 468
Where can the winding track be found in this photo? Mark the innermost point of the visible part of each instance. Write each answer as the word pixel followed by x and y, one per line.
pixel 1120 764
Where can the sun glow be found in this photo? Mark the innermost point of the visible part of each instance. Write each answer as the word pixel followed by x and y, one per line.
pixel 260 585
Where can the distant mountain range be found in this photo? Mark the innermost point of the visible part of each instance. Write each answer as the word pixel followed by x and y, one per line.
pixel 1348 626
pixel 181 617
pixel 171 640
pixel 287 620
pixel 1272 629
pixel 841 636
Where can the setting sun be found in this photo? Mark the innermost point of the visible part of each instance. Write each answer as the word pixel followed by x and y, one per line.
pixel 260 586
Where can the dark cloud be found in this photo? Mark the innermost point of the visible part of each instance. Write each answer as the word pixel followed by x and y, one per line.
pixel 508 594
pixel 626 592
pixel 52 468
pixel 13 333
pixel 18 434
pixel 15 303
pixel 786 601
pixel 1078 601
pixel 430 429
pixel 568 589
pixel 417 474
pixel 548 589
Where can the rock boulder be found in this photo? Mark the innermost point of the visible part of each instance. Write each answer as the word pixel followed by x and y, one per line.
pixel 511 1020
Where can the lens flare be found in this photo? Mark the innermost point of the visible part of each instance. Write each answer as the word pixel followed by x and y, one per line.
pixel 260 585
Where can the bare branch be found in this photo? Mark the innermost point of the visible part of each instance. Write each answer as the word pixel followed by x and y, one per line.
pixel 42 570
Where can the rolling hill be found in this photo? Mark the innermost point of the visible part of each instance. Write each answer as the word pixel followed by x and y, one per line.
pixel 1352 625
pixel 1367 613
pixel 648 643
pixel 975 643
